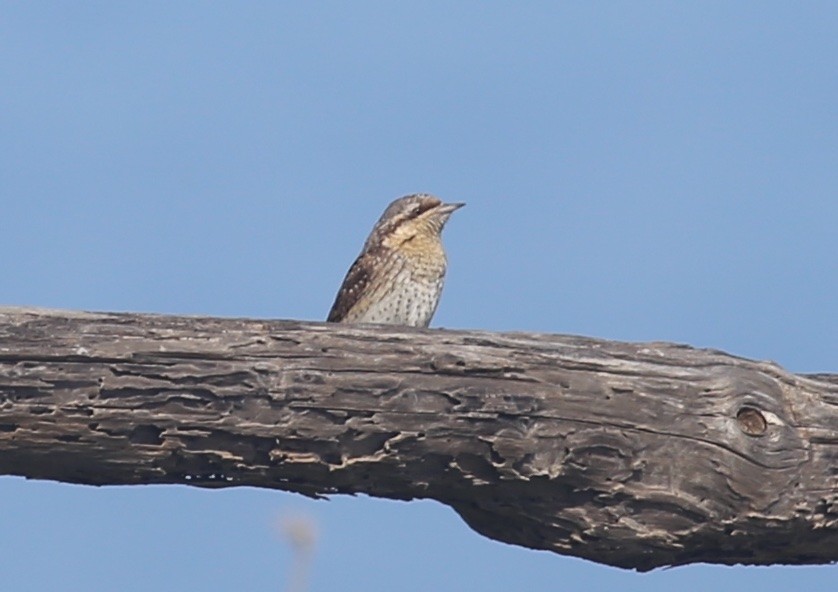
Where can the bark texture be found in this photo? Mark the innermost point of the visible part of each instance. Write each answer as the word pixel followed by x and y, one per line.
pixel 633 455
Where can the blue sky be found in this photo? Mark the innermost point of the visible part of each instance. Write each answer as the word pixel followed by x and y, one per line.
pixel 634 171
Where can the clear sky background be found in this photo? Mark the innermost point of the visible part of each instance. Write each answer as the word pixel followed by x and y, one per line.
pixel 633 171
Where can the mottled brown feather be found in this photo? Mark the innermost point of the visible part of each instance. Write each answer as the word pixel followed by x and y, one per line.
pixel 355 286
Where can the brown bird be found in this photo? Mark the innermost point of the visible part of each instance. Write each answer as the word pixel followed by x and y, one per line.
pixel 397 279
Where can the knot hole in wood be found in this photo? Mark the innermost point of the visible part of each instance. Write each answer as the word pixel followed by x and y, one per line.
pixel 751 421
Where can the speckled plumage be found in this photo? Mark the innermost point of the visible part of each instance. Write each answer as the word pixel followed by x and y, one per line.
pixel 397 279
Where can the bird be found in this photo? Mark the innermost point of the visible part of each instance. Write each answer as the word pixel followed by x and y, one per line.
pixel 397 279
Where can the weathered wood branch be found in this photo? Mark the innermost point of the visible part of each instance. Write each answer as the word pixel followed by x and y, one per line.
pixel 634 455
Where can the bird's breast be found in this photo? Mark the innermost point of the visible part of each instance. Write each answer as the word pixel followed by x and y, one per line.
pixel 406 299
pixel 423 256
pixel 406 288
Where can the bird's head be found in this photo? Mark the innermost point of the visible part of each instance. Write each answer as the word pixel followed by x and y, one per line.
pixel 420 215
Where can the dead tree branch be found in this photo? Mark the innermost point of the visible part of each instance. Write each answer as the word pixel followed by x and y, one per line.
pixel 634 455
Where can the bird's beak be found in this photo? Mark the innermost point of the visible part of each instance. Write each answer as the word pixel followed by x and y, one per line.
pixel 448 208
